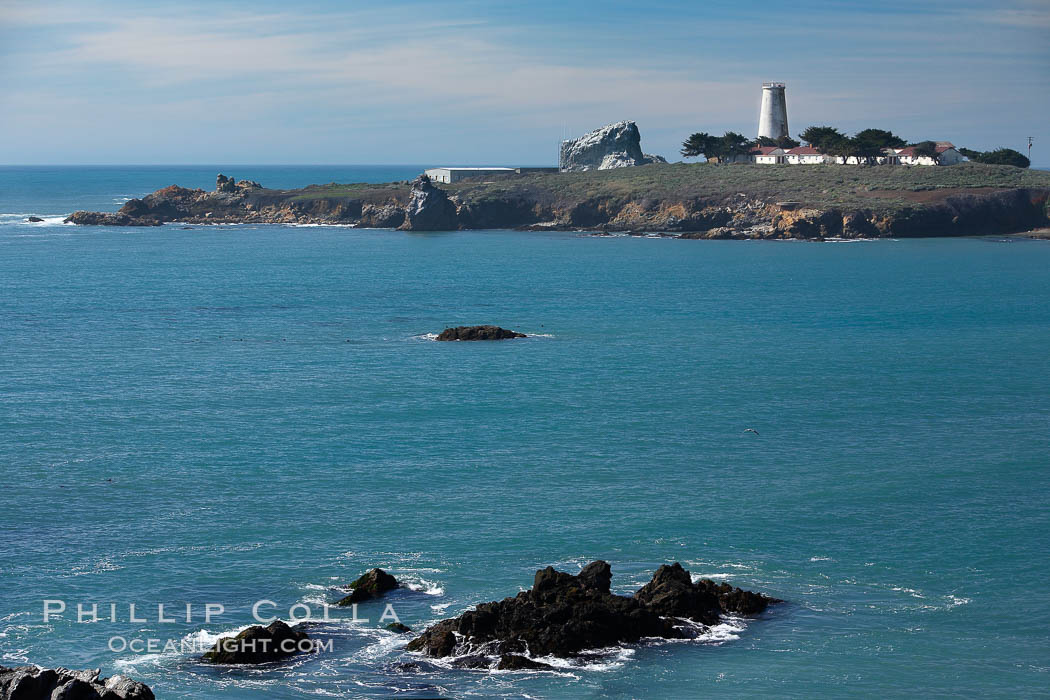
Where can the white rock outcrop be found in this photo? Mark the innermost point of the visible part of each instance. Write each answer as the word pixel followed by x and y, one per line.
pixel 614 146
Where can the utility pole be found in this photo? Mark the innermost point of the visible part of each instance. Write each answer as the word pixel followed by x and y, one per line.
pixel 1030 139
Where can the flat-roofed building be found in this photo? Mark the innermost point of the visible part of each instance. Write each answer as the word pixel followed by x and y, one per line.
pixel 450 175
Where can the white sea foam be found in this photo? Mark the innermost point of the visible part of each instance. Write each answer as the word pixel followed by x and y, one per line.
pixel 20 219
pixel 420 584
pixel 384 642
pixel 99 567
pixel 599 660
pixel 821 559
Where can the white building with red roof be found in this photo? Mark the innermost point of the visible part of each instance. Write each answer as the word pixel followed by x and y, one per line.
pixel 768 155
pixel 947 154
pixel 806 155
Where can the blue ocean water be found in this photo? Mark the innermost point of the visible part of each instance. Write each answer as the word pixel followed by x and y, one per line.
pixel 235 413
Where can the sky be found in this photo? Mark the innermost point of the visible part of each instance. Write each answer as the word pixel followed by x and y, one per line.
pixel 501 83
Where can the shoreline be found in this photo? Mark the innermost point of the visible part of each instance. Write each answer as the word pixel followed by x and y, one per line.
pixel 684 201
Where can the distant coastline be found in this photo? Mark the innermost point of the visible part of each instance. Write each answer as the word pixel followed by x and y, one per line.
pixel 687 201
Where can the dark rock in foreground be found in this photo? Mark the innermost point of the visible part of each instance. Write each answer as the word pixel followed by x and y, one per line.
pixel 478 333
pixel 398 627
pixel 564 614
pixel 31 683
pixel 259 645
pixel 371 585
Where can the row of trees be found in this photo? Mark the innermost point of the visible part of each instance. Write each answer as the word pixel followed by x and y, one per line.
pixel 1000 156
pixel 866 146
pixel 723 148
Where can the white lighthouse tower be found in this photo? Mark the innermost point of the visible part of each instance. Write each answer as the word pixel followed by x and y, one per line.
pixel 773 116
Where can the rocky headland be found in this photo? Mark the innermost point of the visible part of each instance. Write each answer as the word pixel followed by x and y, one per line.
pixel 742 201
pixel 564 614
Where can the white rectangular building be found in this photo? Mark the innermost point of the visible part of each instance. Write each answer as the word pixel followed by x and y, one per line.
pixel 450 175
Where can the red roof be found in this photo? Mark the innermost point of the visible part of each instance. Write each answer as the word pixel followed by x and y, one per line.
pixel 803 151
pixel 942 146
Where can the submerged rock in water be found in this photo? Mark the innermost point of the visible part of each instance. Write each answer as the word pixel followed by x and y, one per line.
pixel 31 682
pixel 34 219
pixel 564 614
pixel 478 333
pixel 259 645
pixel 398 627
pixel 517 662
pixel 370 585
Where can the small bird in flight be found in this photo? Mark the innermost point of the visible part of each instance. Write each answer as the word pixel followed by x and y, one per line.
pixel 750 430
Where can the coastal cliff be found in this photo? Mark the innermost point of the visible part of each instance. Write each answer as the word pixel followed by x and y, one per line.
pixel 688 201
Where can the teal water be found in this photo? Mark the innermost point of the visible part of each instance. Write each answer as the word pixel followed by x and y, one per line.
pixel 275 420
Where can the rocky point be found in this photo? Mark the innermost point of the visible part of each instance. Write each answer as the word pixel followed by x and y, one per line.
pixel 564 614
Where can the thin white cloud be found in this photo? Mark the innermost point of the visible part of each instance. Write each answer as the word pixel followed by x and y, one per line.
pixel 396 70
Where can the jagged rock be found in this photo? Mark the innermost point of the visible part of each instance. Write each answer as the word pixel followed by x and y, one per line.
pixel 429 208
pixel 808 223
pixel 672 592
pixel 34 219
pixel 370 585
pixel 620 159
pixel 597 576
pixel 859 224
pixel 386 216
pixel 258 645
pixel 564 614
pixel 31 683
pixel 614 146
pixel 517 662
pixel 248 185
pixel 478 333
pixel 653 158
pixel 225 184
